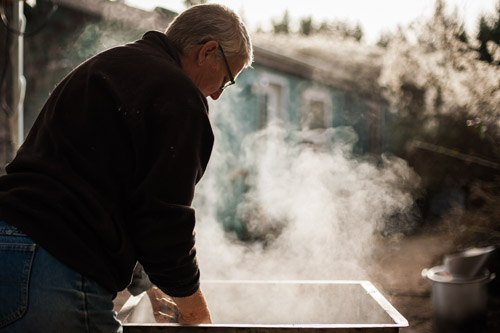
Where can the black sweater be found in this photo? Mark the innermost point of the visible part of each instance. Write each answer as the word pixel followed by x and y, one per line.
pixel 107 174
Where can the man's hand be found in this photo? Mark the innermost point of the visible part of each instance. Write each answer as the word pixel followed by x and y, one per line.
pixel 164 309
pixel 183 310
pixel 193 309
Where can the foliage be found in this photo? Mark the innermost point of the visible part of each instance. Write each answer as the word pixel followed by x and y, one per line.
pixel 190 3
pixel 482 228
pixel 430 71
pixel 282 26
pixel 308 27
pixel 342 28
pixel 441 93
pixel 385 39
pixel 489 37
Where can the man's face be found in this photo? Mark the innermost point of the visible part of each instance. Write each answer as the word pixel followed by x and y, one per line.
pixel 216 77
pixel 209 69
pixel 220 76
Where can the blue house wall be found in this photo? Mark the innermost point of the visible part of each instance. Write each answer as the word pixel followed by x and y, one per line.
pixel 238 115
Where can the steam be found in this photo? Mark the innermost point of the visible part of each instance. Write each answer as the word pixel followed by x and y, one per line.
pixel 313 209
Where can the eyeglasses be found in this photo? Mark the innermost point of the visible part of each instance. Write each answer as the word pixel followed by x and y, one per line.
pixel 231 77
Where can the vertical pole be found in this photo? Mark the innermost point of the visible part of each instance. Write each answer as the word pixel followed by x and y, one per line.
pixel 18 80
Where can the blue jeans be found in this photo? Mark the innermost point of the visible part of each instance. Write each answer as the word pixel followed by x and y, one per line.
pixel 40 294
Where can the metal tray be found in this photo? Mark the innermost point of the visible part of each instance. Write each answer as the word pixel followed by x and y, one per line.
pixel 279 306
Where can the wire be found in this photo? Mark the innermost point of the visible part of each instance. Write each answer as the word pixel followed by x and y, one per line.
pixel 6 23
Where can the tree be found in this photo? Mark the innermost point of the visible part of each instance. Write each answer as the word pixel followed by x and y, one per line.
pixel 446 100
pixel 484 36
pixel 282 26
pixel 306 26
pixel 488 34
pixel 384 39
pixel 432 57
pixel 341 28
pixel 462 34
pixel 190 3
pixel 357 32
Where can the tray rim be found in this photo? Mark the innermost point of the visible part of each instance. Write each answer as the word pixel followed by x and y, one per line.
pixel 399 320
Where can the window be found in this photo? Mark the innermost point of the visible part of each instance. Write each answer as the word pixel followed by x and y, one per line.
pixel 316 108
pixel 273 94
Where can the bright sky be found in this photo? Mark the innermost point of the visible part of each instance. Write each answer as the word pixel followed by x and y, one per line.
pixel 375 16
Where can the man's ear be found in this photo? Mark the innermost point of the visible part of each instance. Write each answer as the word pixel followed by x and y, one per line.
pixel 207 50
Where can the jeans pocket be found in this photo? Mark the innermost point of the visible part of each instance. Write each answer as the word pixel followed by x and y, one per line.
pixel 16 258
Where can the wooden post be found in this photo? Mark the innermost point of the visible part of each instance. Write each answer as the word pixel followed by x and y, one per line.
pixel 18 80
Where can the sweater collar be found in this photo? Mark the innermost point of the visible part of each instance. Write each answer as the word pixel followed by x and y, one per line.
pixel 162 40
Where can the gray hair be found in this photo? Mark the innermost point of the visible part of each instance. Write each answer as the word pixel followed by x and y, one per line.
pixel 202 23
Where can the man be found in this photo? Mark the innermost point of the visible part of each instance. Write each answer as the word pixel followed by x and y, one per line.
pixel 106 178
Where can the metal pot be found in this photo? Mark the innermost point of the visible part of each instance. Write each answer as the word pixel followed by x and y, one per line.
pixel 459 304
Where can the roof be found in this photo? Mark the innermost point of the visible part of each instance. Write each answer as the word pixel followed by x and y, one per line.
pixel 340 62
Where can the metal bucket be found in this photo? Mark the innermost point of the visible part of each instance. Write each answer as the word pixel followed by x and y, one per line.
pixel 459 305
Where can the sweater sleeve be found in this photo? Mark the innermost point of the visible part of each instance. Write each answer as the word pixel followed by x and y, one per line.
pixel 177 146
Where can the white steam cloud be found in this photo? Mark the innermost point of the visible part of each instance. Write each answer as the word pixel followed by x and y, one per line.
pixel 316 208
pixel 312 212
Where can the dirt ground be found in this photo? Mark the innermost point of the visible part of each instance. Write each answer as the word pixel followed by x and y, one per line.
pixel 397 275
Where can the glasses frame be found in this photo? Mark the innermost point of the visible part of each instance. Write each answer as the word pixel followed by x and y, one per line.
pixel 231 77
